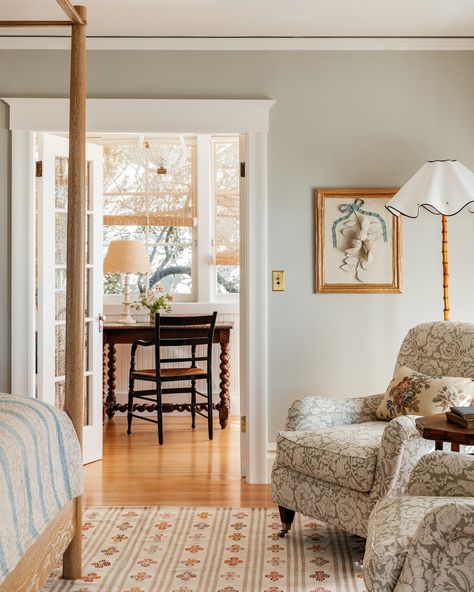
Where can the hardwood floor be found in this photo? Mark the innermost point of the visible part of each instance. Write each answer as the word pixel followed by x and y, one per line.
pixel 188 470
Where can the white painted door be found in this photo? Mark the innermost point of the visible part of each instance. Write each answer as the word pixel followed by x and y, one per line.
pixel 51 283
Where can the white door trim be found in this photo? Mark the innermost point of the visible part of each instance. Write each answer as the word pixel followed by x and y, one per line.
pixel 248 117
pixel 23 237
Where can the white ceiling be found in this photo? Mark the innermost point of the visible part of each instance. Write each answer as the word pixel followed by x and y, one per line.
pixel 256 18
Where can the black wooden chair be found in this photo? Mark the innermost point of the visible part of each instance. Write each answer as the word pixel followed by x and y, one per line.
pixel 203 334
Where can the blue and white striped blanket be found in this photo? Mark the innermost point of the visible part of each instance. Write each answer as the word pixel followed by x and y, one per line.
pixel 40 470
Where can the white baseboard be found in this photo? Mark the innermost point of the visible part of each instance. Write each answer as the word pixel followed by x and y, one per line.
pixel 271 455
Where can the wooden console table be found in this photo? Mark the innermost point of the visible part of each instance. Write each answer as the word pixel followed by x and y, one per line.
pixel 115 333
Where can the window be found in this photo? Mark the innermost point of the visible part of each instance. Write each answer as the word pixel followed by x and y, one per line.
pixel 151 194
pixel 226 187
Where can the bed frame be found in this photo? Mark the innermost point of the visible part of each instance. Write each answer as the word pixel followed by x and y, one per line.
pixel 63 535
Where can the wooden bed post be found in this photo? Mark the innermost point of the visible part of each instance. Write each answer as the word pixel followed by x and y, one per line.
pixel 74 395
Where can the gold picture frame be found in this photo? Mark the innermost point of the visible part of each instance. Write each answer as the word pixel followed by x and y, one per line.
pixel 347 220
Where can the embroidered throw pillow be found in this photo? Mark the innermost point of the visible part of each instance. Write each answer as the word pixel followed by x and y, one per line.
pixel 414 393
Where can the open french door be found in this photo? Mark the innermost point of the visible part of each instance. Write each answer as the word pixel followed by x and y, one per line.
pixel 51 283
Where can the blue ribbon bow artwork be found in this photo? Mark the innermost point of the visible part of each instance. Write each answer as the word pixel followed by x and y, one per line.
pixel 364 231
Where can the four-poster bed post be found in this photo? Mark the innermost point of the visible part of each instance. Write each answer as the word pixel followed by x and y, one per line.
pixel 66 529
pixel 75 271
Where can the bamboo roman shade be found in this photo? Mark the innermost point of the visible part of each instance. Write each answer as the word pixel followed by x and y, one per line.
pixel 149 183
pixel 227 202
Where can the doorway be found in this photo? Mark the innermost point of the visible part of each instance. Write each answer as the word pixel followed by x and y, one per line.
pixel 250 120
pixel 179 197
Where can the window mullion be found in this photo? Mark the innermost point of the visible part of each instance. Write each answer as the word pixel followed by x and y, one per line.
pixel 204 253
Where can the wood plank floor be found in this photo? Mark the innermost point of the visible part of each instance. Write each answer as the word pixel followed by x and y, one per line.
pixel 188 470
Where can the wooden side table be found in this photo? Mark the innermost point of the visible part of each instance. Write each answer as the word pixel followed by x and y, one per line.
pixel 438 428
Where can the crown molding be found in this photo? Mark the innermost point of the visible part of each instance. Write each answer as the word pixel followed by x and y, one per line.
pixel 245 43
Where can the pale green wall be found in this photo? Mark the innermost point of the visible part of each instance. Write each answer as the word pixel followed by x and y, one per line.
pixel 341 119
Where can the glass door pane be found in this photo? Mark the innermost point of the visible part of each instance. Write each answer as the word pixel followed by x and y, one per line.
pixel 52 272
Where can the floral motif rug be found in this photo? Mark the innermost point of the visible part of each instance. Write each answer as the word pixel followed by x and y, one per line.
pixel 157 549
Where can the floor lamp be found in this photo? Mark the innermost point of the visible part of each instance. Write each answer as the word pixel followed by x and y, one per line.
pixel 442 187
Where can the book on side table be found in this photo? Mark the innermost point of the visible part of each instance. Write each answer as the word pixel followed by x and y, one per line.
pixel 463 416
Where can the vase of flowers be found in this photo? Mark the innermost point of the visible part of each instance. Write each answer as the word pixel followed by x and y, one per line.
pixel 154 299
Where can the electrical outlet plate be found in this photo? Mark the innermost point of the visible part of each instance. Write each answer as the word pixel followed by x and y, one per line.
pixel 278 281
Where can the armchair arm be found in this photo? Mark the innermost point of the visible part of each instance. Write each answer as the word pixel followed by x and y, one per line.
pixel 313 413
pixel 443 474
pixel 400 449
pixel 440 555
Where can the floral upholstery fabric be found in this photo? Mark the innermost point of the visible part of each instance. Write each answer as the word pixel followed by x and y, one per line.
pixel 399 451
pixel 444 348
pixel 392 526
pixel 425 542
pixel 344 455
pixel 339 506
pixel 444 474
pixel 414 393
pixel 441 555
pixel 303 484
pixel 313 412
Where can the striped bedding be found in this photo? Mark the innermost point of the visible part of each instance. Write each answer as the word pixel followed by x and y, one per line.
pixel 40 470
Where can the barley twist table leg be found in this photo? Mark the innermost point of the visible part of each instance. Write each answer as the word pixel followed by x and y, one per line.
pixel 111 398
pixel 224 405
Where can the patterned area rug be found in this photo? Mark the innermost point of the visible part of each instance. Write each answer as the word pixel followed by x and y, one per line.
pixel 211 550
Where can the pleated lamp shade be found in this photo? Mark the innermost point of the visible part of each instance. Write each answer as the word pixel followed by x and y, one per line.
pixel 126 256
pixel 441 186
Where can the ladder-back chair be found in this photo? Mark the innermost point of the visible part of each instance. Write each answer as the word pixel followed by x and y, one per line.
pixel 202 334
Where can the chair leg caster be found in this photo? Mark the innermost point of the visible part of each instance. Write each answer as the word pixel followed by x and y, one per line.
pixel 284 530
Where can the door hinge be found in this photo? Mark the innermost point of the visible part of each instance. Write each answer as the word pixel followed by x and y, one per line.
pixel 243 424
pixel 39 168
pixel 242 169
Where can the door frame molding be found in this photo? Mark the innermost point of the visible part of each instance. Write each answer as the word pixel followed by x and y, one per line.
pixel 248 117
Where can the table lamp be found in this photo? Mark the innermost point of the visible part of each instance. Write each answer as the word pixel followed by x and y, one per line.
pixel 126 256
pixel 442 187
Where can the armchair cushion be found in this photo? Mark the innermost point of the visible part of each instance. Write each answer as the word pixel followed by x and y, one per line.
pixel 392 528
pixel 415 393
pixel 344 455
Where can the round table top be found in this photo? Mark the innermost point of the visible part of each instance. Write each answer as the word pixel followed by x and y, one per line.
pixel 437 427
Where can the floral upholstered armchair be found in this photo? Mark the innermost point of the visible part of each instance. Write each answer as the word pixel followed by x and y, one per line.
pixel 335 460
pixel 424 541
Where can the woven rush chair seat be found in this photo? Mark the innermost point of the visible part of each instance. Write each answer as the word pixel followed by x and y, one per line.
pixel 169 373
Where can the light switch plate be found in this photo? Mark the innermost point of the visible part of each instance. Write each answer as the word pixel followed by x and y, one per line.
pixel 278 281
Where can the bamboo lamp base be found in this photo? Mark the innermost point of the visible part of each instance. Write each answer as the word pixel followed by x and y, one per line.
pixel 444 253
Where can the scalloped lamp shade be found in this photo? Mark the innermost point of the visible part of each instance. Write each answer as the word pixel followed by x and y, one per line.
pixel 126 256
pixel 441 186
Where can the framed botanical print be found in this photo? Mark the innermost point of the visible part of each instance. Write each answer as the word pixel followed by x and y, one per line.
pixel 357 242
